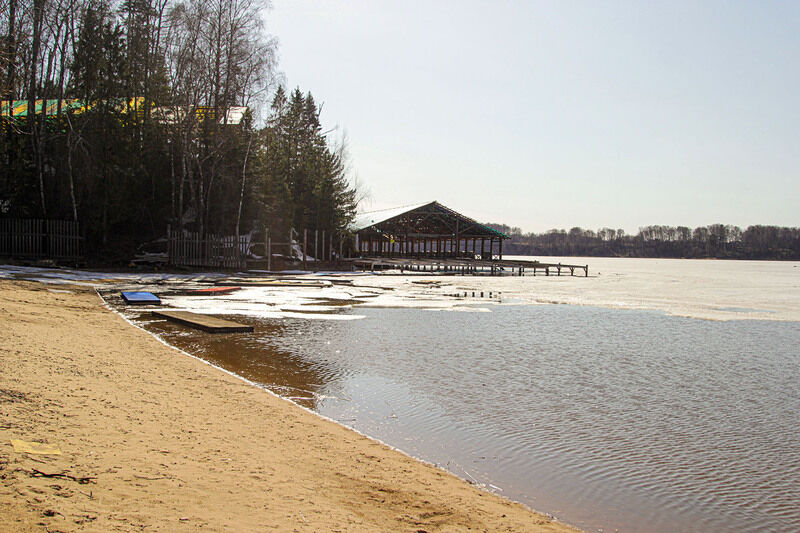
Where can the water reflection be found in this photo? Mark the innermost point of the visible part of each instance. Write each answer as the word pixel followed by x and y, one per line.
pixel 609 419
pixel 265 356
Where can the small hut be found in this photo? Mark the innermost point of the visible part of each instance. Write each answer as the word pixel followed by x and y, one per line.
pixel 428 230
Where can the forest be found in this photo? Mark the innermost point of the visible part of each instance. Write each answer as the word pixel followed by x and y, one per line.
pixel 715 241
pixel 160 112
pixel 170 113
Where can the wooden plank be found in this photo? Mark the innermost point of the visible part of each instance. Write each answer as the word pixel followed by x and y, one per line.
pixel 204 322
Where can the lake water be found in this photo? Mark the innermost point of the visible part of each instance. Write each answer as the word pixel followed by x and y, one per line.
pixel 611 418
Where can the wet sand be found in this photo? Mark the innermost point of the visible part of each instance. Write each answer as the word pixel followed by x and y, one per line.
pixel 154 440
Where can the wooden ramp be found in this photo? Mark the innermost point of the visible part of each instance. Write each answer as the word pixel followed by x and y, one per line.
pixel 204 322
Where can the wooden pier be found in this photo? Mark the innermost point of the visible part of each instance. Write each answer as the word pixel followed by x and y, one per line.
pixel 468 266
pixel 204 322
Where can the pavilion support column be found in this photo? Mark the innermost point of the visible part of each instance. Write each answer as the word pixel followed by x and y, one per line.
pixel 483 250
pixel 501 248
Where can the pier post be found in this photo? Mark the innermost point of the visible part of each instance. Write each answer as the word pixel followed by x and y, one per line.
pixel 305 242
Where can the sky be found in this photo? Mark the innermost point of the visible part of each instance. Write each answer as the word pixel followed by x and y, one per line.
pixel 558 114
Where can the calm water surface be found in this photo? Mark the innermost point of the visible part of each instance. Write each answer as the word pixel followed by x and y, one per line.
pixel 608 419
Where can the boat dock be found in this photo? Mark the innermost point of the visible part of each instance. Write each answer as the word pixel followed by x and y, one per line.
pixel 204 322
pixel 468 266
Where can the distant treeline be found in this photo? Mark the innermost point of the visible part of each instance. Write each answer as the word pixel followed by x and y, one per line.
pixel 715 241
pixel 159 114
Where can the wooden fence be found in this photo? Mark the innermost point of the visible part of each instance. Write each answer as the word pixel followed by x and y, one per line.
pixel 32 238
pixel 213 251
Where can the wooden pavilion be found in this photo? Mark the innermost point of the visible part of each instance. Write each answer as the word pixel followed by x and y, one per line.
pixel 428 230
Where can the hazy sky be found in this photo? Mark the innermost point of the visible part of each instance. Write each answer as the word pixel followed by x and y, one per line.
pixel 561 113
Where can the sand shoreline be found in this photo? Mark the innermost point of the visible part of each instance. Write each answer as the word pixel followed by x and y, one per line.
pixel 170 443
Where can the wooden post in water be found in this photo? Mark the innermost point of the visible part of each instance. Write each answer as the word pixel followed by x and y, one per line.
pixel 305 243
pixel 266 247
pixel 269 253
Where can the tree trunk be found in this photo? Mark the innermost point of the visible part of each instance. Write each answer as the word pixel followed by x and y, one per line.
pixel 38 11
pixel 241 192
pixel 11 51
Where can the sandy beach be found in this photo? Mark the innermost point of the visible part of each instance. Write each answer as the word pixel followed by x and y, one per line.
pixel 154 440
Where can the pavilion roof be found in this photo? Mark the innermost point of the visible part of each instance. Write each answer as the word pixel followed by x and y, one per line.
pixel 430 219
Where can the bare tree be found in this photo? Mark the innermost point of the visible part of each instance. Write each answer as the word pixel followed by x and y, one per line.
pixel 220 56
